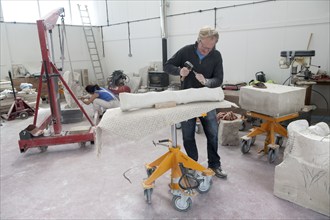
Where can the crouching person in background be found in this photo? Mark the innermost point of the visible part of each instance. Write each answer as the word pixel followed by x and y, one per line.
pixel 101 98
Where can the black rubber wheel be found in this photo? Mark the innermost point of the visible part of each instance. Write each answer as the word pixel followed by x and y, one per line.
pixel 181 205
pixel 199 128
pixel 43 148
pixel 279 141
pixel 253 140
pixel 150 171
pixel 242 127
pixel 23 115
pixel 178 125
pixel 82 144
pixel 272 154
pixel 204 187
pixel 147 195
pixel 245 146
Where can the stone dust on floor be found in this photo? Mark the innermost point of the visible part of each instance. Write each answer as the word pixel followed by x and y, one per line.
pixel 72 182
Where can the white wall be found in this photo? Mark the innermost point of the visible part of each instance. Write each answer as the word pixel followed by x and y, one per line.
pixel 251 36
pixel 20 45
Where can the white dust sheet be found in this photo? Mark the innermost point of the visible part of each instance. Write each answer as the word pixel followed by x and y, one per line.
pixel 134 125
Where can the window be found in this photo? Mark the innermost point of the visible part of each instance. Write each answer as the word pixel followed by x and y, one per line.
pixel 29 11
pixel 20 11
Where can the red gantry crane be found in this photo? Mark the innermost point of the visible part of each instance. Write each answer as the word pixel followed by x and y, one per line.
pixel 53 121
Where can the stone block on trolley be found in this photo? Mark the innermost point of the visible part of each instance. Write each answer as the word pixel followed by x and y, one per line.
pixel 274 100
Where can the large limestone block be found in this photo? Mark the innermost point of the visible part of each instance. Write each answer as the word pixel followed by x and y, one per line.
pixel 303 176
pixel 275 100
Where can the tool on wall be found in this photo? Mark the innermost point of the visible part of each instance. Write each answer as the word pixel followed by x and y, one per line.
pixel 19 108
pixel 52 75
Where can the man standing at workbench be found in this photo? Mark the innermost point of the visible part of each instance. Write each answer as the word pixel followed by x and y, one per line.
pixel 204 68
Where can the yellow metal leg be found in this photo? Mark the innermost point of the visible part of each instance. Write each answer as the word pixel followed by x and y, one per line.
pixel 270 126
pixel 171 161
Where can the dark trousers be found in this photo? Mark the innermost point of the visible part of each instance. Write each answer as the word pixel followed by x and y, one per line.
pixel 210 127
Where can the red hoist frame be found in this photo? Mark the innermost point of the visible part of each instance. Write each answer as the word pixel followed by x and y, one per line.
pixel 51 74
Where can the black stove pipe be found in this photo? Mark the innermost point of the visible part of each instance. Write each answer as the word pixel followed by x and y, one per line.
pixel 164 49
pixel 163 30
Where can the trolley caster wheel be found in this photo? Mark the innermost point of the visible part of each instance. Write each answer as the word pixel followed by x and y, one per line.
pixel 245 146
pixel 253 140
pixel 204 186
pixel 279 141
pixel 272 154
pixel 92 142
pixel 243 126
pixel 23 115
pixel 42 148
pixel 82 144
pixel 147 195
pixel 181 204
pixel 198 128
pixel 256 123
pixel 150 171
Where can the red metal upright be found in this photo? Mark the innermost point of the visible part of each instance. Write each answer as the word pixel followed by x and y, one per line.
pixel 50 73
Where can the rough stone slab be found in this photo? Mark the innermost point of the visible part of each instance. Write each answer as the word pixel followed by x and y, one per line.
pixel 275 100
pixel 303 176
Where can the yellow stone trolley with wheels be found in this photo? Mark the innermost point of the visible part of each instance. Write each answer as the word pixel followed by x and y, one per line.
pixel 272 103
pixel 188 177
pixel 270 126
pixel 185 181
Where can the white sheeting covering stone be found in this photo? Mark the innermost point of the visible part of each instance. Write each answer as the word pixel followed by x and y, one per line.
pixel 303 176
pixel 134 125
pixel 129 101
pixel 275 100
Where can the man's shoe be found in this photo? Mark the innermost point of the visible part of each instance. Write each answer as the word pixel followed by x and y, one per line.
pixel 219 172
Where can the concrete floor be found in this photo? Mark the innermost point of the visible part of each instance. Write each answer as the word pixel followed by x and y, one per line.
pixel 71 182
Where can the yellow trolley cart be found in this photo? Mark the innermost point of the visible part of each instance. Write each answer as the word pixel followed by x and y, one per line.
pixel 270 126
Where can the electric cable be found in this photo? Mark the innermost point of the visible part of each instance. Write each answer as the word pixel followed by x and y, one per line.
pixel 287 79
pixel 61 42
pixel 124 174
pixel 66 39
